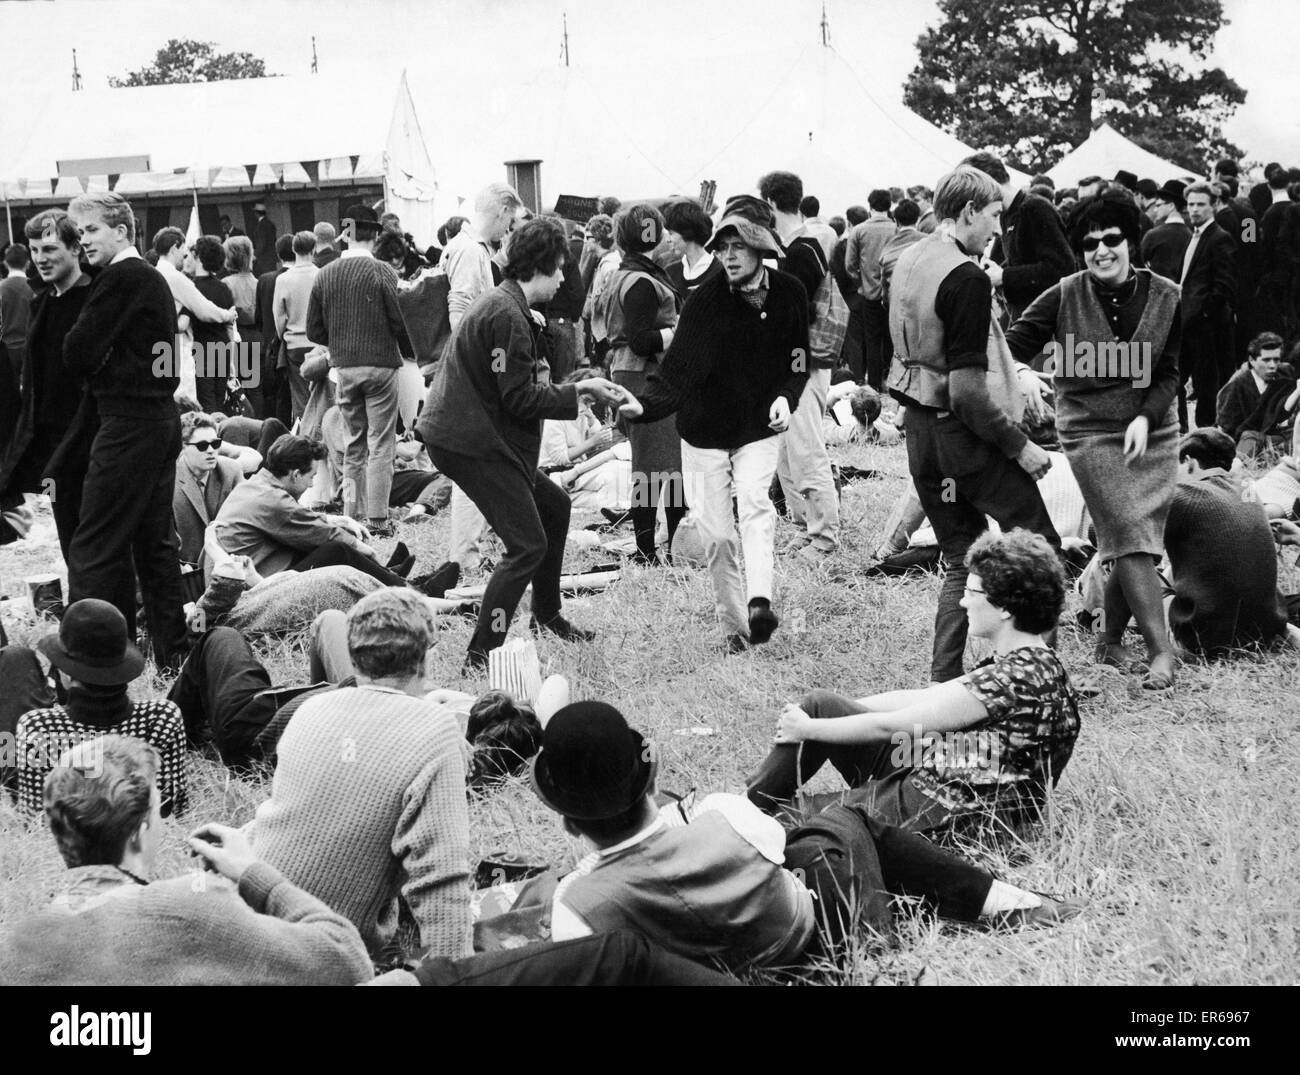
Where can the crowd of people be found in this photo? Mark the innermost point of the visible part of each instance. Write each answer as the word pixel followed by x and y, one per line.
pixel 225 429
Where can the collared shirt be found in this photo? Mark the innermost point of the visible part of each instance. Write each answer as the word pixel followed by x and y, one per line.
pixel 356 252
pixel 1191 249
pixel 126 253
pixel 1260 383
pixel 468 264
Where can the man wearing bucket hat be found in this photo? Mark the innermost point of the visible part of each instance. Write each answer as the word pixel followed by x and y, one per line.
pixel 723 881
pixel 92 649
pixel 733 374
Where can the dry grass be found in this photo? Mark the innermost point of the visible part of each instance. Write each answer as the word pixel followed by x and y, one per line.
pixel 1175 819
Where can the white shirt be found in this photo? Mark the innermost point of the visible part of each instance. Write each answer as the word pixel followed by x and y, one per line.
pixel 1191 249
pixel 356 252
pixel 187 296
pixel 468 264
pixel 125 254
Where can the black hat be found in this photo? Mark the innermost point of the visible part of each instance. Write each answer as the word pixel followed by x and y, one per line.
pixel 1126 179
pixel 1148 188
pixel 91 645
pixel 363 218
pixel 1172 191
pixel 592 766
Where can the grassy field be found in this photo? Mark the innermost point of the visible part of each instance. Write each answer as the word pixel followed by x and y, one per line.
pixel 1175 819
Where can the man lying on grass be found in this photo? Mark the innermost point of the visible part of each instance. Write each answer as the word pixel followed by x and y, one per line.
pixel 725 882
pixel 983 748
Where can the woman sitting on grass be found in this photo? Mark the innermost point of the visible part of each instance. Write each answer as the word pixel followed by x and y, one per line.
pixel 986 746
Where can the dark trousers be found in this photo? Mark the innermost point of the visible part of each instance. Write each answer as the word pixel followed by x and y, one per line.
pixel 216 690
pixel 878 346
pixel 960 479
pixel 531 517
pixel 619 958
pixel 855 340
pixel 272 430
pixel 853 863
pixel 126 519
pixel 22 688
pixel 1207 357
pixel 870 767
pixel 211 394
pixel 335 553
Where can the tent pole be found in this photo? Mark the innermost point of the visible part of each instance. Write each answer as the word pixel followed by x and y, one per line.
pixel 9 220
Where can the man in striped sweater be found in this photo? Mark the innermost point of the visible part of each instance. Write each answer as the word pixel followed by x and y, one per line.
pixel 353 311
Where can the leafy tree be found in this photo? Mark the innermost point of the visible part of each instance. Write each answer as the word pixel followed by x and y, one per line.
pixel 1030 77
pixel 193 61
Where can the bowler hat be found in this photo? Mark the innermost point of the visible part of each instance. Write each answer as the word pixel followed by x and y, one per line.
pixel 592 766
pixel 362 217
pixel 1147 188
pixel 1126 179
pixel 91 645
pixel 1172 191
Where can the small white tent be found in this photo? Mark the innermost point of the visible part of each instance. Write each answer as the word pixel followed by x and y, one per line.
pixel 1105 152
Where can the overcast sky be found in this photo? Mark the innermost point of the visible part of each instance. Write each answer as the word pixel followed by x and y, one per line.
pixel 457 41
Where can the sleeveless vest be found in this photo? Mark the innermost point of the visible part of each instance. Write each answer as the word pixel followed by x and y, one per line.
pixel 611 301
pixel 1102 393
pixel 702 891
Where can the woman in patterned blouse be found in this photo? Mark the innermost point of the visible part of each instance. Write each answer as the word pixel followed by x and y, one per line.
pixel 983 748
pixel 92 649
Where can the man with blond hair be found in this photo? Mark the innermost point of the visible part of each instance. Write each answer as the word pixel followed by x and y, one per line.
pixel 953 372
pixel 368 802
pixel 325 251
pixel 125 528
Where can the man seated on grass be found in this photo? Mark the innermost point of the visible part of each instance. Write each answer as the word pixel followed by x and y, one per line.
pixel 368 803
pixel 725 882
pixel 111 926
pixel 985 748
pixel 1222 556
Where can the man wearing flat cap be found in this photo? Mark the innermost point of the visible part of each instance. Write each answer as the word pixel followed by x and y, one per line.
pixel 720 880
pixel 733 374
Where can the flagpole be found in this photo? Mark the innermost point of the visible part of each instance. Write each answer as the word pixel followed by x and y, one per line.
pixel 9 220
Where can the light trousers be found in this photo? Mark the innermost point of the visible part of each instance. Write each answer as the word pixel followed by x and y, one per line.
pixel 368 402
pixel 712 476
pixel 804 466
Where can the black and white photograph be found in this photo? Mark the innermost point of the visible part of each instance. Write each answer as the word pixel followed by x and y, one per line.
pixel 725 493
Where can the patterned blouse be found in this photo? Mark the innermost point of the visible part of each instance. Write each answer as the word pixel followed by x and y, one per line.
pixel 1005 763
pixel 44 734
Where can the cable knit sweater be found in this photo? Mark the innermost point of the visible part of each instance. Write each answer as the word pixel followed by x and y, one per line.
pixel 105 929
pixel 353 311
pixel 368 801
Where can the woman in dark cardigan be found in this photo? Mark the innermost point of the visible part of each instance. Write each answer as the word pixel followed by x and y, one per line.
pixel 1116 339
pixel 639 307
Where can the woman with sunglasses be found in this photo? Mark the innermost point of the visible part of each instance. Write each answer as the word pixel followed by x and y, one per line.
pixel 979 750
pixel 1114 333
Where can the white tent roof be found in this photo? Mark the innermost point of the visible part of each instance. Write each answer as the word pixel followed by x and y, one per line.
pixel 206 134
pixel 1105 152
pixel 654 133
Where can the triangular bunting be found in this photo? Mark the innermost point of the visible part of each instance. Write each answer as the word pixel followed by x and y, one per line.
pixel 354 158
pixel 251 169
pixel 113 177
pixel 312 168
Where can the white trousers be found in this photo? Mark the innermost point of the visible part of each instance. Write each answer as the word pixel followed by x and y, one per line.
pixel 804 466
pixel 711 477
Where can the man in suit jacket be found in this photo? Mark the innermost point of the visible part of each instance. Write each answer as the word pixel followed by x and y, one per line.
pixel 1165 244
pixel 203 482
pixel 1236 216
pixel 1209 281
pixel 263 241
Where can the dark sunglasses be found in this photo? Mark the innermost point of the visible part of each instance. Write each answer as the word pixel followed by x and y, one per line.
pixel 1111 239
pixel 204 445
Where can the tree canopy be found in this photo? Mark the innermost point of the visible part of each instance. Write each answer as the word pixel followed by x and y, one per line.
pixel 193 61
pixel 1030 78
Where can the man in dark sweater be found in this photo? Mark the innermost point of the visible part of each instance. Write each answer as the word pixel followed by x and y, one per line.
pixel 1220 602
pixel 953 372
pixel 1209 299
pixel 1032 252
pixel 276 403
pixel 482 426
pixel 354 312
pixel 126 504
pixel 1165 244
pixel 734 372
pixel 49 450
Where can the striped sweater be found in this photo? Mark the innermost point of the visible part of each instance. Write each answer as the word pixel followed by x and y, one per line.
pixel 353 311
pixel 368 802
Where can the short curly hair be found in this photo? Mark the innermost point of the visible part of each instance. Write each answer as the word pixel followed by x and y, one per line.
pixel 504 734
pixel 97 795
pixel 210 253
pixel 192 420
pixel 1022 575
pixel 1109 209
pixel 537 246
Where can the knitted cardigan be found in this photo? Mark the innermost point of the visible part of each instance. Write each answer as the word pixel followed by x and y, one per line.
pixel 728 362
pixel 194 930
pixel 368 802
